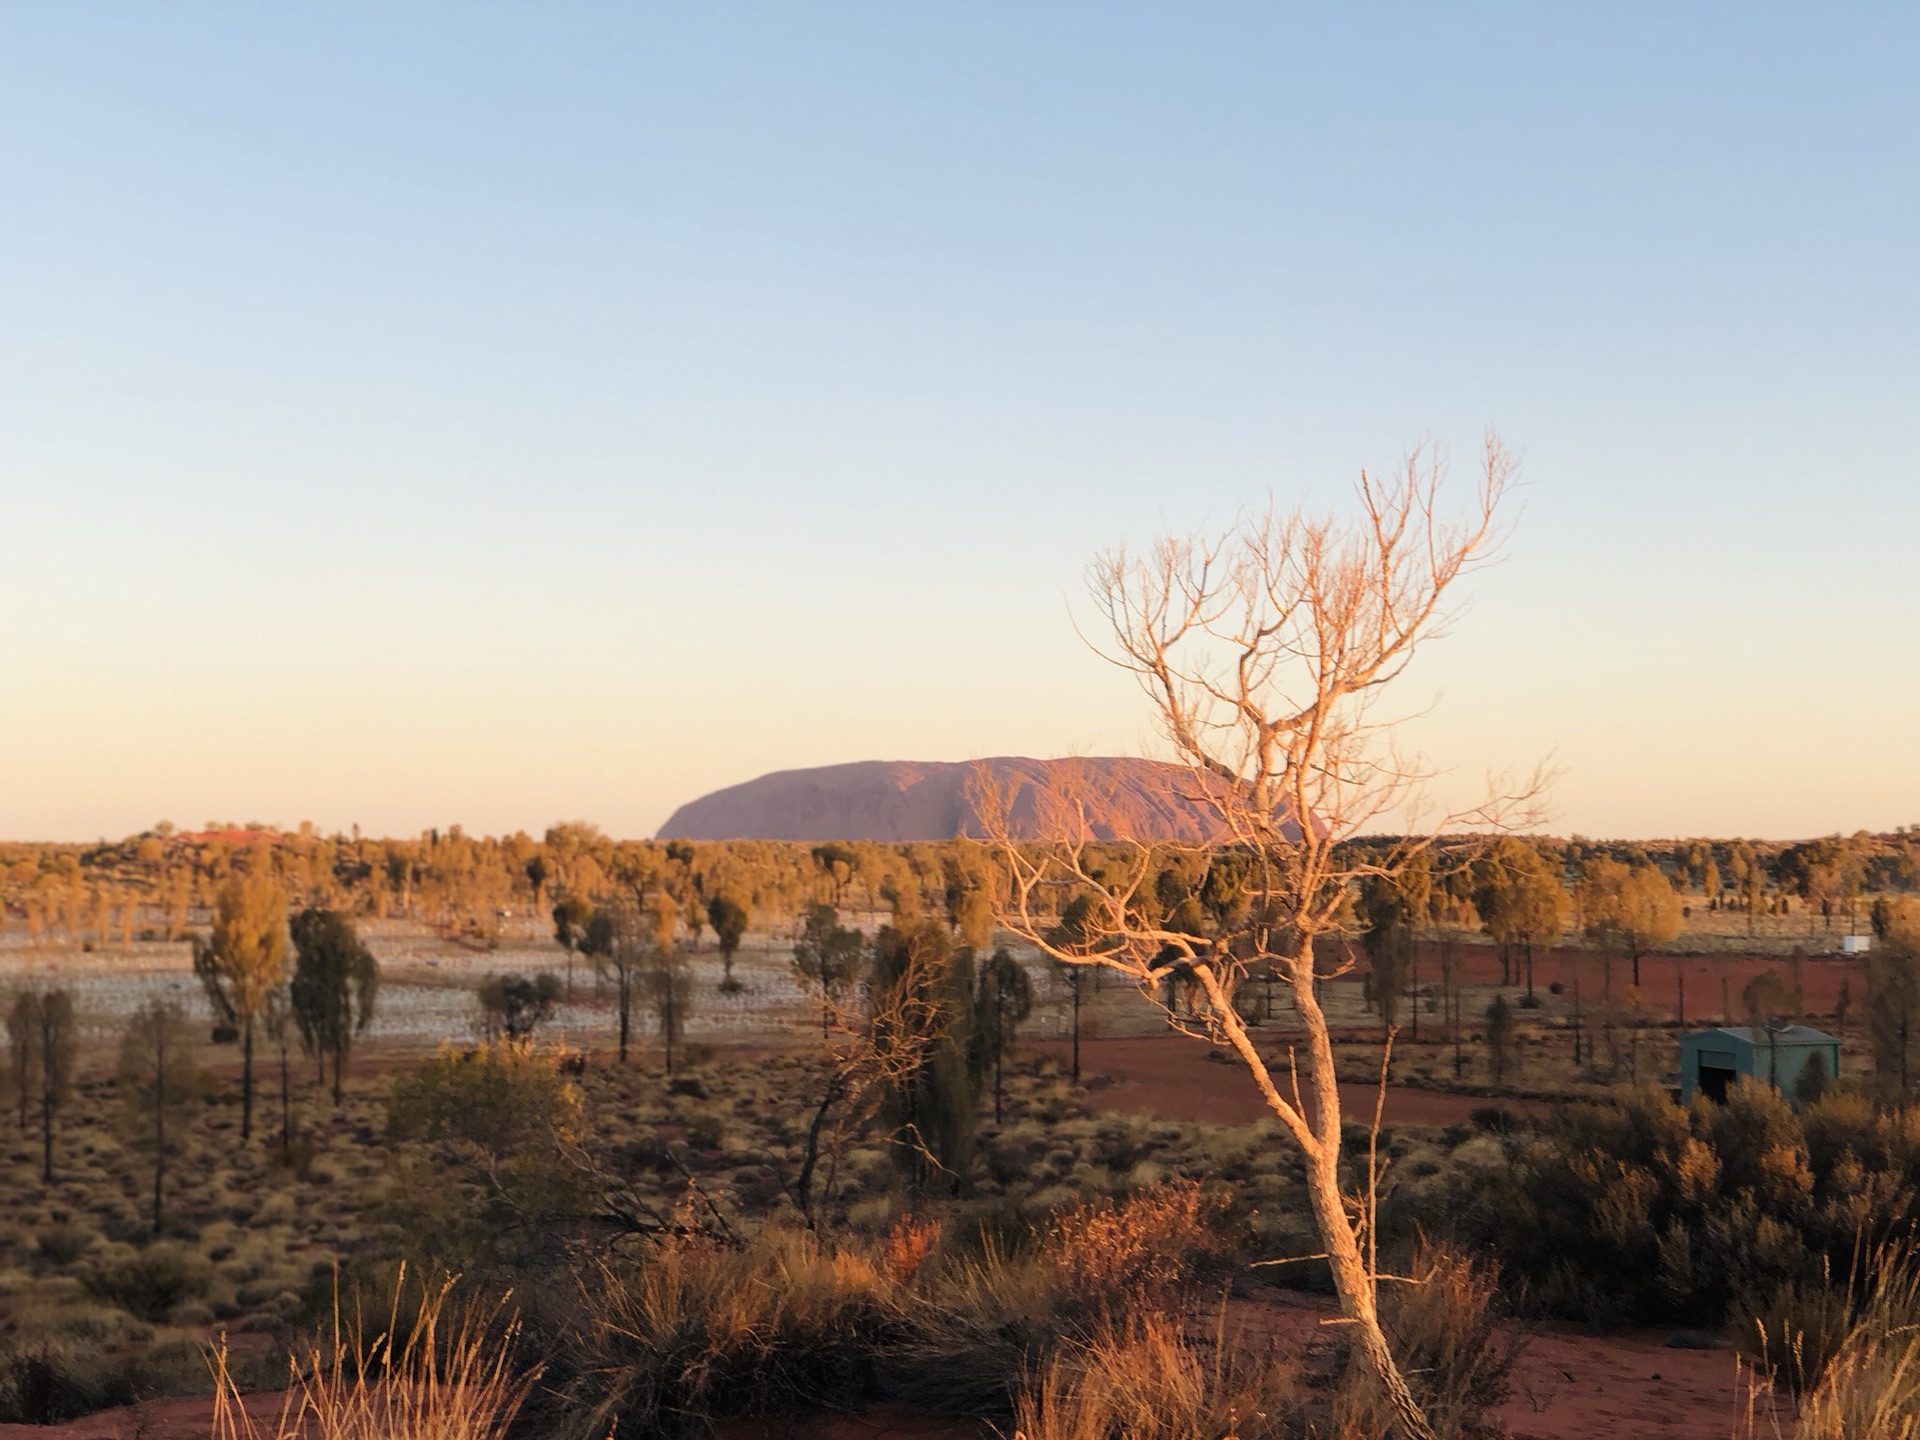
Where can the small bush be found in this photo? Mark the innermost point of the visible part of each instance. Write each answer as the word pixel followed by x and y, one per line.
pixel 62 1244
pixel 41 1384
pixel 1494 1119
pixel 1110 1255
pixel 151 1282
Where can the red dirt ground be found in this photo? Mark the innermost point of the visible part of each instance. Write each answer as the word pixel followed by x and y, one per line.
pixel 1567 1385
pixel 184 1419
pixel 1707 1000
pixel 1171 1077
pixel 1571 1385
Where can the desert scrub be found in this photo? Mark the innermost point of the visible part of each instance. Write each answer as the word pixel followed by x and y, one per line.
pixel 1635 1208
pixel 694 1330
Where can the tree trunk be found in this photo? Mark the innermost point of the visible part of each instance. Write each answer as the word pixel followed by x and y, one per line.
pixel 1352 1273
pixel 159 1138
pixel 1076 1027
pixel 996 1080
pixel 46 1126
pixel 1413 986
pixel 286 1103
pixel 803 1186
pixel 626 996
pixel 246 1080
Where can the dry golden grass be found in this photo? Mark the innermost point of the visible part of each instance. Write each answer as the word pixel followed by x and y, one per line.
pixel 1146 1378
pixel 437 1371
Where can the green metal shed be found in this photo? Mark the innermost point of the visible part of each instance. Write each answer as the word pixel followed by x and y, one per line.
pixel 1710 1060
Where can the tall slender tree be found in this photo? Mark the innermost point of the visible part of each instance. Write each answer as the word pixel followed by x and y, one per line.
pixel 729 920
pixel 243 962
pixel 617 944
pixel 931 1108
pixel 828 954
pixel 1522 900
pixel 158 1079
pixel 44 1041
pixel 336 983
pixel 1627 910
pixel 571 913
pixel 1003 999
pixel 1074 933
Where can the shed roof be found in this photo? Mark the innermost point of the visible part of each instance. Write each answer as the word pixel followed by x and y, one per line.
pixel 1785 1035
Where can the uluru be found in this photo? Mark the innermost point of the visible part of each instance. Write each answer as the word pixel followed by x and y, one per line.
pixel 903 800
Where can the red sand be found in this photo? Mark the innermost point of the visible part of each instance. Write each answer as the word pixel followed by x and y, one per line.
pixel 1567 1385
pixel 182 1419
pixel 1171 1077
pixel 1571 1385
pixel 1708 1000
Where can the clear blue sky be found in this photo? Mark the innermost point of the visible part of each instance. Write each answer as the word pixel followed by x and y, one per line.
pixel 497 413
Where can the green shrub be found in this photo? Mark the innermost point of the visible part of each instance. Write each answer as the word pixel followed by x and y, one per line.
pixel 1637 1209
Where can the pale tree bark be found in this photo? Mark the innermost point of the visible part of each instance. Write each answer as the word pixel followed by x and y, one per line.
pixel 1261 651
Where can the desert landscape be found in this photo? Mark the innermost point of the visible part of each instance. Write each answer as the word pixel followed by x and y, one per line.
pixel 779 1139
pixel 958 722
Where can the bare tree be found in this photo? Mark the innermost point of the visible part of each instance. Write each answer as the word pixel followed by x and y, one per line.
pixel 1263 650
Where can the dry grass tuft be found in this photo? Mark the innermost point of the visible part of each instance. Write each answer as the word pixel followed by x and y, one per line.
pixel 443 1373
pixel 1144 1379
pixel 1441 1323
pixel 1857 1382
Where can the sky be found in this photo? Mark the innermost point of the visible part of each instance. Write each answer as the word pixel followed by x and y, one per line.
pixel 493 414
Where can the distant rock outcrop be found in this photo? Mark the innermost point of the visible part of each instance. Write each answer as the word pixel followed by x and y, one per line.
pixel 902 800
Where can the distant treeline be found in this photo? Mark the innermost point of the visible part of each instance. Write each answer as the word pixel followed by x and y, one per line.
pixel 155 884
